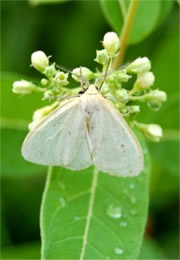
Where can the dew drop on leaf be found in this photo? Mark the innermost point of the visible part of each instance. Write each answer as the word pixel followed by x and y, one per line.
pixel 123 224
pixel 132 186
pixel 133 212
pixel 133 199
pixel 62 185
pixel 125 191
pixel 76 218
pixel 114 211
pixel 118 251
pixel 153 106
pixel 62 202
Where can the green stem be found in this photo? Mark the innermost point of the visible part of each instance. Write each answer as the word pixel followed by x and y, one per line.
pixel 136 98
pixel 126 32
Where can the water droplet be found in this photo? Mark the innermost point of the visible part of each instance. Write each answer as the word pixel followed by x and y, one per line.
pixel 133 199
pixel 132 186
pixel 62 185
pixel 62 202
pixel 154 107
pixel 123 224
pixel 114 211
pixel 133 212
pixel 118 251
pixel 77 218
pixel 125 190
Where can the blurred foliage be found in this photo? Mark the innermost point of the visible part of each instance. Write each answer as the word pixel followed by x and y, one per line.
pixel 152 13
pixel 64 30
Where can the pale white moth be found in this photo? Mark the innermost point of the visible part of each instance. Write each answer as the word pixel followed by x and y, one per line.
pixel 86 130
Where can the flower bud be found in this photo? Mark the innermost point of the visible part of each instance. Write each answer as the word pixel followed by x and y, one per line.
pixel 102 57
pixel 134 109
pixel 85 72
pixel 23 87
pixel 44 111
pixel 122 75
pixel 156 97
pixel 39 60
pixel 122 94
pixel 151 131
pixel 144 80
pixel 50 71
pixel 61 79
pixel 140 65
pixel 39 114
pixel 111 43
pixel 48 94
pixel 44 82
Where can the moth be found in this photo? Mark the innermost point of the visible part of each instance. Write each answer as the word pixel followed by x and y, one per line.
pixel 84 131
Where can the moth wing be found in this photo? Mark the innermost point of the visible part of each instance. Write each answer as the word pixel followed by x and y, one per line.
pixel 60 139
pixel 115 148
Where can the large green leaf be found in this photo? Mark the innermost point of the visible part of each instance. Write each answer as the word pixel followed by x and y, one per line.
pixel 16 113
pixel 149 15
pixel 92 215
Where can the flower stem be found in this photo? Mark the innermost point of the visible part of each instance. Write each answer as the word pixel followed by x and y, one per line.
pixel 126 32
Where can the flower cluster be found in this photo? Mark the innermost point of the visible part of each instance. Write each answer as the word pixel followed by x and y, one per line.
pixel 54 83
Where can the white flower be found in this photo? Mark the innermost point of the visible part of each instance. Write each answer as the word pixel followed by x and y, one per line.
pixel 144 80
pixel 140 65
pixel 39 60
pixel 156 96
pixel 102 57
pixel 61 78
pixel 155 131
pixel 122 94
pixel 111 43
pixel 134 109
pixel 151 131
pixel 41 113
pixel 86 73
pixel 23 87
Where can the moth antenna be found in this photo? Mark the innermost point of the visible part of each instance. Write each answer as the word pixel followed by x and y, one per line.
pixel 116 99
pixel 80 76
pixel 110 73
pixel 105 74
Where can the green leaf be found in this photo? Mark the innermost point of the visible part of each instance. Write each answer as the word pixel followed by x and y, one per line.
pixel 166 7
pixel 145 22
pixel 16 113
pixel 92 215
pixel 39 2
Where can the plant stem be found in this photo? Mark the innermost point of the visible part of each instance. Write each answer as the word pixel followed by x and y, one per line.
pixel 126 32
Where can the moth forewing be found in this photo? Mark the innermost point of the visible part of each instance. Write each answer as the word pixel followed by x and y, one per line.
pixel 57 139
pixel 115 148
